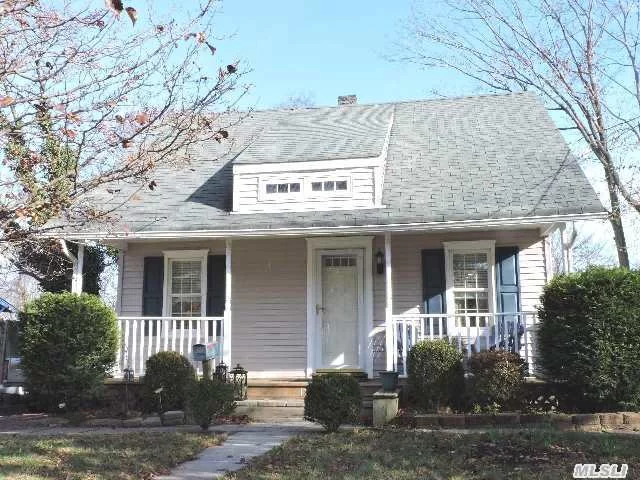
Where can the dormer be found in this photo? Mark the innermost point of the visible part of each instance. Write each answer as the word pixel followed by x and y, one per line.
pixel 315 159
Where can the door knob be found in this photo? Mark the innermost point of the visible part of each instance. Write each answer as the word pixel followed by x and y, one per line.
pixel 319 308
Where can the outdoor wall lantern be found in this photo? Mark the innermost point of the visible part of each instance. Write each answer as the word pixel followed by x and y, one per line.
pixel 221 372
pixel 239 379
pixel 380 262
pixel 128 377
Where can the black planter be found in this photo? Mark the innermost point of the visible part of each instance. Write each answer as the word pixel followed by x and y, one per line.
pixel 389 381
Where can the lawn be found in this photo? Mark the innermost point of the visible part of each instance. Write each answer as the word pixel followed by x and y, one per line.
pixel 406 454
pixel 97 456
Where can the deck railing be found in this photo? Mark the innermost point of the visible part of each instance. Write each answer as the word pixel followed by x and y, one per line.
pixel 469 332
pixel 141 337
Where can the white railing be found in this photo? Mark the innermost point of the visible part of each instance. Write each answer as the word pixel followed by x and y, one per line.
pixel 141 337
pixel 469 332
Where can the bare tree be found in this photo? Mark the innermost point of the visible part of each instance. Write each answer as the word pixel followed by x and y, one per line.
pixel 89 97
pixel 298 100
pixel 586 250
pixel 580 56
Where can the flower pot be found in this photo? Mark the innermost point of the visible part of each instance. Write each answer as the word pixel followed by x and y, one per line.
pixel 389 381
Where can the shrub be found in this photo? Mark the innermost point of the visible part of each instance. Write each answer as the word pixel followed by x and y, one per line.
pixel 332 400
pixel 174 374
pixel 589 338
pixel 209 399
pixel 69 343
pixel 435 375
pixel 495 380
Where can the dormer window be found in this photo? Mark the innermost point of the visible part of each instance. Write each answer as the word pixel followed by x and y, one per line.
pixel 329 186
pixel 282 187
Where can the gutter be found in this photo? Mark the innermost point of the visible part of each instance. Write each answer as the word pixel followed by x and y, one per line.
pixel 338 230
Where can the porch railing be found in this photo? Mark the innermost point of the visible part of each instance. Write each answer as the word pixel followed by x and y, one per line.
pixel 469 332
pixel 141 337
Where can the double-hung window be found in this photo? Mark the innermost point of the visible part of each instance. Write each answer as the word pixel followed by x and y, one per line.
pixel 185 283
pixel 470 274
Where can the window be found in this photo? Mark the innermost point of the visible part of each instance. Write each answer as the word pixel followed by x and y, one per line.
pixel 337 185
pixel 283 187
pixel 186 283
pixel 185 296
pixel 470 280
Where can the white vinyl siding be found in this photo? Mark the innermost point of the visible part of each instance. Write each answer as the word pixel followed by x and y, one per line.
pixel 269 306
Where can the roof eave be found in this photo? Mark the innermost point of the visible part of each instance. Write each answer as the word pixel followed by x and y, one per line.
pixel 487 224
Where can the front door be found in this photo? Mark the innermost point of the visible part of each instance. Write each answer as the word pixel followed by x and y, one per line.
pixel 339 308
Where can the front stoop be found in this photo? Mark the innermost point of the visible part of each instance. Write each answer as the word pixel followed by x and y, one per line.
pixel 277 389
pixel 271 410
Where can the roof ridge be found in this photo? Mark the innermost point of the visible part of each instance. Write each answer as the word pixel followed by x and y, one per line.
pixel 396 102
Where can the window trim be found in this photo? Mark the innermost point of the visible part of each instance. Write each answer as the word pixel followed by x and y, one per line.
pixel 169 256
pixel 478 246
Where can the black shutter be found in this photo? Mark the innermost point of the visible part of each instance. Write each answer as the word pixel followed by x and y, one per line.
pixel 433 281
pixel 507 280
pixel 152 286
pixel 216 278
pixel 508 298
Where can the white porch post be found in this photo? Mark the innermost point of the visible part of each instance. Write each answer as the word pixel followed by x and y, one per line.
pixel 76 278
pixel 226 330
pixel 119 363
pixel 389 347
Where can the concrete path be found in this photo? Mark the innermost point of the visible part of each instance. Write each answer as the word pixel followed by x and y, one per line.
pixel 242 444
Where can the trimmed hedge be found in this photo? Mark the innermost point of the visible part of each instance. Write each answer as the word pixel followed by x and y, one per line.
pixel 332 400
pixel 589 338
pixel 435 375
pixel 69 343
pixel 495 380
pixel 174 374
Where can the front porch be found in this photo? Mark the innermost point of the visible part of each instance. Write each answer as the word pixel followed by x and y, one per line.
pixel 285 307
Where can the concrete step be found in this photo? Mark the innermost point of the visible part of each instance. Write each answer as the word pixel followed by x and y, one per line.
pixel 276 389
pixel 271 410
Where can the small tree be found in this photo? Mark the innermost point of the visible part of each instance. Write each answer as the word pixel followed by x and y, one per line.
pixel 69 344
pixel 436 377
pixel 589 337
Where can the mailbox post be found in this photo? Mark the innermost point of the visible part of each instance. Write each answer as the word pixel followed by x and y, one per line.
pixel 204 352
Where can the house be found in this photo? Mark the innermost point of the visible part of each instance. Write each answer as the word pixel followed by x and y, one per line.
pixel 334 238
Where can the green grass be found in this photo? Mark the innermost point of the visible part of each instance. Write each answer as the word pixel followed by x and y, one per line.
pixel 97 456
pixel 406 454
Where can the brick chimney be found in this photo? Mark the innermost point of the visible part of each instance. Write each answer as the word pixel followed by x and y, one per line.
pixel 347 100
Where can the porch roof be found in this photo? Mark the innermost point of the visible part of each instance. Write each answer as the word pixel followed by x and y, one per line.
pixel 459 159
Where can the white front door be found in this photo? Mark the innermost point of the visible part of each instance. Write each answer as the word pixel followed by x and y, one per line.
pixel 339 307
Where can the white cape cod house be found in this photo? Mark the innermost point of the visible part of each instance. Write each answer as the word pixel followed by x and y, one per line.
pixel 334 238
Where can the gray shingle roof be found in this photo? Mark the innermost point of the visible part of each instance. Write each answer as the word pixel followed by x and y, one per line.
pixel 322 134
pixel 469 158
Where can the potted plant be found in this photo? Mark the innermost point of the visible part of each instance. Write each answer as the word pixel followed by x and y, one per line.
pixel 389 380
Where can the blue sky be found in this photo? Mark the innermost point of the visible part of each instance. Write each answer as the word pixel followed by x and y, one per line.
pixel 325 49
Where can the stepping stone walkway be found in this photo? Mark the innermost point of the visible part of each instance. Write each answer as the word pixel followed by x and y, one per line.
pixel 241 445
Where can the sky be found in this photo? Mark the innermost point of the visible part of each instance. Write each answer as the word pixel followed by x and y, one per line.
pixel 324 49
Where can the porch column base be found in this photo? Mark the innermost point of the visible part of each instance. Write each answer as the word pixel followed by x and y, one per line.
pixel 385 406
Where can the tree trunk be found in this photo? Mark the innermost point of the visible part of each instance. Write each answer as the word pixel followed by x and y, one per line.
pixel 616 223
